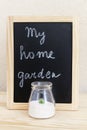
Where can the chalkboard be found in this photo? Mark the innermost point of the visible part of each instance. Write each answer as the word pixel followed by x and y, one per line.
pixel 43 51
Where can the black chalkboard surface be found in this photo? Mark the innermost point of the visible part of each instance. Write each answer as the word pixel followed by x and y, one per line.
pixel 43 51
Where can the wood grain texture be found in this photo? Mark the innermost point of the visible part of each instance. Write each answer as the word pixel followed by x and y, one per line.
pixel 63 120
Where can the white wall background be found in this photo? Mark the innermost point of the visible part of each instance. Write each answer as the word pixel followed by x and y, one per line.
pixel 45 8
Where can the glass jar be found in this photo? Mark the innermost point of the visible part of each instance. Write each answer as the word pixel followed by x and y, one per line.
pixel 41 102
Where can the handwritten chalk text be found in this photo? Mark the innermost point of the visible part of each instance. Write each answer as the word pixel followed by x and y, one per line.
pixel 41 75
pixel 33 55
pixel 32 32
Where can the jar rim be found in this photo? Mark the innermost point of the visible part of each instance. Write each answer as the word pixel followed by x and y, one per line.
pixel 46 84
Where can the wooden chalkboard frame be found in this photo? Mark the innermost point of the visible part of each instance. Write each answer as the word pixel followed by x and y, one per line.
pixel 10 61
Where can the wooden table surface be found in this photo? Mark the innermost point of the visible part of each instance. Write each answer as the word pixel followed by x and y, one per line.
pixel 63 120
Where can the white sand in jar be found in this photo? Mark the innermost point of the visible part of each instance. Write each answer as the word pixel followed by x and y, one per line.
pixel 39 110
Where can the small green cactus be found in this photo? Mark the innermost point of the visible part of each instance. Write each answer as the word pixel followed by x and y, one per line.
pixel 41 101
